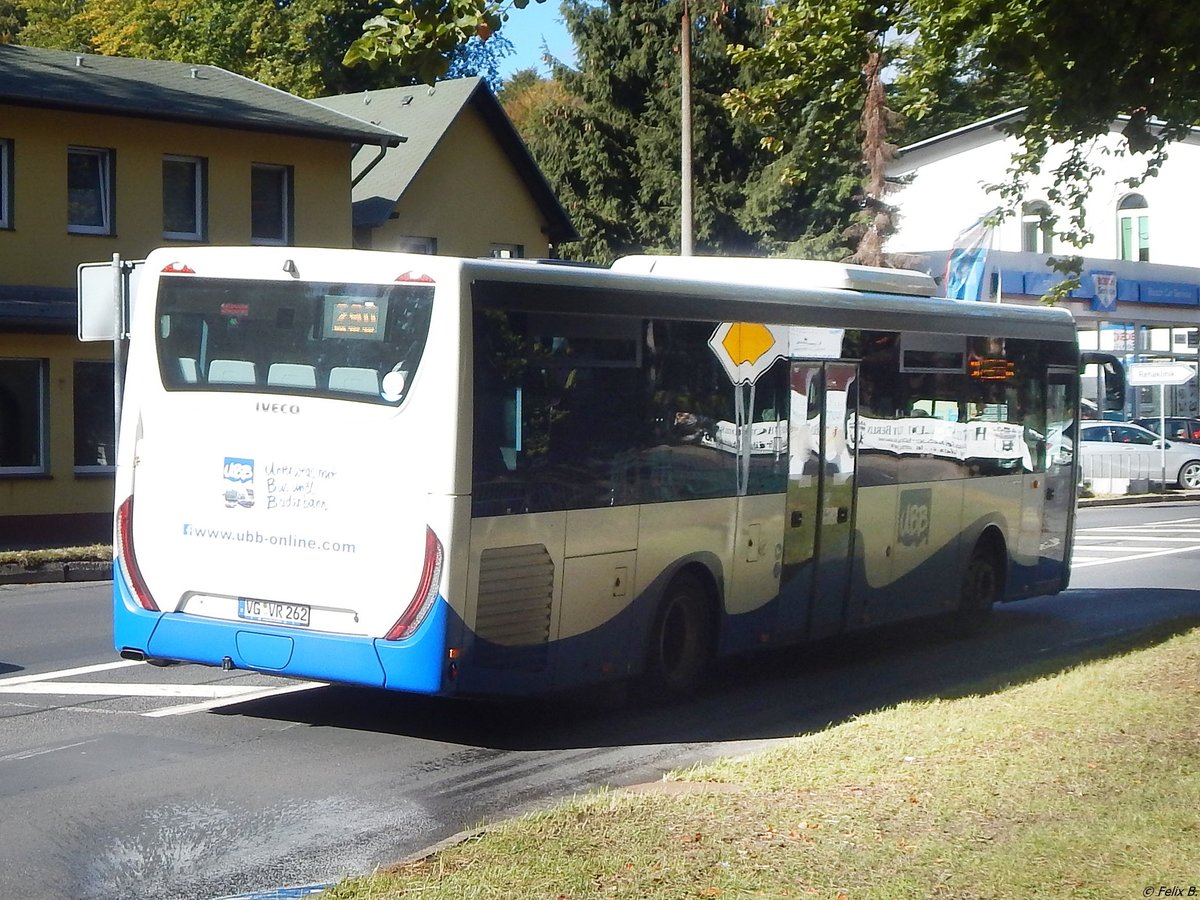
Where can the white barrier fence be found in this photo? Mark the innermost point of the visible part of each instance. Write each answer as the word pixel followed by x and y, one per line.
pixel 1124 472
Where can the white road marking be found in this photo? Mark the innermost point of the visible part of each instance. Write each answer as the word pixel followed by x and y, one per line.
pixel 1115 548
pixel 258 694
pixel 1127 542
pixel 67 673
pixel 29 754
pixel 1131 556
pixel 1140 537
pixel 112 689
pixel 1134 529
pixel 211 696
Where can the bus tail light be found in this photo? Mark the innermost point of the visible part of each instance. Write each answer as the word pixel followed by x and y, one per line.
pixel 426 592
pixel 127 559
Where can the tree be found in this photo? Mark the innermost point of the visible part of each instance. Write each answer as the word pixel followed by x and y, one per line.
pixel 818 94
pixel 423 37
pixel 480 57
pixel 609 143
pixel 961 95
pixel 1079 66
pixel 12 20
pixel 607 134
pixel 295 45
pixel 526 96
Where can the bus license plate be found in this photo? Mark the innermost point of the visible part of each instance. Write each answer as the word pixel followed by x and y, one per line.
pixel 294 614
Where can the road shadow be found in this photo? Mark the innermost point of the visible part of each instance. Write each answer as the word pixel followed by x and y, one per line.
pixel 9 668
pixel 777 693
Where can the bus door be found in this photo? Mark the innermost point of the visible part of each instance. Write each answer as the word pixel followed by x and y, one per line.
pixel 1058 510
pixel 819 518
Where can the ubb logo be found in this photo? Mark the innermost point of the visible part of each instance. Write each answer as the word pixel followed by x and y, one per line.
pixel 915 511
pixel 239 482
pixel 239 469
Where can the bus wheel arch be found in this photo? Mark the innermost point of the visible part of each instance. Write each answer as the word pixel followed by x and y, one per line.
pixel 683 634
pixel 983 581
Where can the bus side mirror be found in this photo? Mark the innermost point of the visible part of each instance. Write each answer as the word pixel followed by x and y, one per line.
pixel 1113 373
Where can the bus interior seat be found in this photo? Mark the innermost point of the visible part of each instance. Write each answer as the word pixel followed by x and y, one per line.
pixel 188 370
pixel 292 375
pixel 231 371
pixel 354 380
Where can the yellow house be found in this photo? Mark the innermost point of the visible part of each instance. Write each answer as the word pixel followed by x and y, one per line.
pixel 102 156
pixel 463 183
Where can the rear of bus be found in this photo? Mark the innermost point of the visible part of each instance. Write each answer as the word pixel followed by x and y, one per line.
pixel 286 475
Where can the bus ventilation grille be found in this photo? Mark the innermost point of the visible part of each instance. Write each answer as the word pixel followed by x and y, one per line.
pixel 512 617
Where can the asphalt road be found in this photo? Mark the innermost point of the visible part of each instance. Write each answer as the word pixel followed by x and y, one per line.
pixel 123 780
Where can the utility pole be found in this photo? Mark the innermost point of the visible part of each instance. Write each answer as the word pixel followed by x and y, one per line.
pixel 685 122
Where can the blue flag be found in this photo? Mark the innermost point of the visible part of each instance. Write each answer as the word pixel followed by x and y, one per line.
pixel 968 259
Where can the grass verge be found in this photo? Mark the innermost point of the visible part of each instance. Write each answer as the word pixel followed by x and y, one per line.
pixel 33 558
pixel 1083 785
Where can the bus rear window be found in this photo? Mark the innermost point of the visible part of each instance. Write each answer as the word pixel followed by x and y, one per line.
pixel 350 341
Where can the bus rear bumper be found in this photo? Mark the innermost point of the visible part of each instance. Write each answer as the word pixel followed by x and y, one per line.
pixel 416 664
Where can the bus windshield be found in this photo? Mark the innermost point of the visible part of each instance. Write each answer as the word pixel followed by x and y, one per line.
pixel 351 341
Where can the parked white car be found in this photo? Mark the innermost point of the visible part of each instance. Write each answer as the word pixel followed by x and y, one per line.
pixel 1126 450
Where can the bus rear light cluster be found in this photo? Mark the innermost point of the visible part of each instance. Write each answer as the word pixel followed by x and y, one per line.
pixel 425 594
pixel 178 268
pixel 126 556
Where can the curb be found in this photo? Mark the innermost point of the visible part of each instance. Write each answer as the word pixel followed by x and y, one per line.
pixel 1130 499
pixel 55 573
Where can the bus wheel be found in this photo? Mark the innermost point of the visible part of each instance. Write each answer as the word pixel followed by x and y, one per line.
pixel 981 585
pixel 1189 475
pixel 681 639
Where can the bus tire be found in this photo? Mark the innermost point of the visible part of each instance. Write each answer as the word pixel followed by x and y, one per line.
pixel 982 582
pixel 681 639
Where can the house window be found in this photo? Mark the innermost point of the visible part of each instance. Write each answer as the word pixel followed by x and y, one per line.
pixel 184 196
pixel 1037 234
pixel 6 183
pixel 271 204
pixel 413 244
pixel 507 251
pixel 95 441
pixel 22 416
pixel 89 190
pixel 1133 224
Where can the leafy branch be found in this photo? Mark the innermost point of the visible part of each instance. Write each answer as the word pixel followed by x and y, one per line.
pixel 422 34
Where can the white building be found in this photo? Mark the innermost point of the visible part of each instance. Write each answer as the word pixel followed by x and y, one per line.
pixel 1140 293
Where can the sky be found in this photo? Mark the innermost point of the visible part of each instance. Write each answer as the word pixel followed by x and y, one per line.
pixel 527 29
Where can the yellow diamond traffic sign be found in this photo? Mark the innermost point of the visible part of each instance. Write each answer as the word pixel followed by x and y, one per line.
pixel 747 349
pixel 747 342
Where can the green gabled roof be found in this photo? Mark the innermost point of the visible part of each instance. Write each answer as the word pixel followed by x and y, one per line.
pixel 171 92
pixel 424 114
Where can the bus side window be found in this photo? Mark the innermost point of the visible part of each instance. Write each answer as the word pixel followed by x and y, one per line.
pixel 490 389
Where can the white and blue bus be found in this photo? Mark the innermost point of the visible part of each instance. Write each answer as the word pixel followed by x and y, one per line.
pixel 470 477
